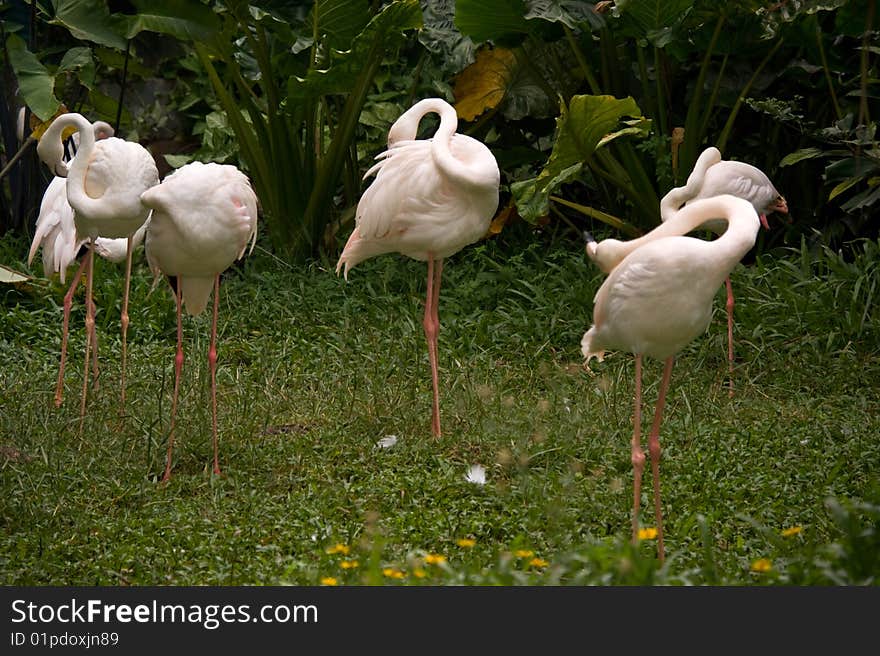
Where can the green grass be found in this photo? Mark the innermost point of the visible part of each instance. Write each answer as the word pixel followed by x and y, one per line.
pixel 314 370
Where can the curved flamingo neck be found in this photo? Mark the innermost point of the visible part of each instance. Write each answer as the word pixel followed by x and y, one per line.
pixel 406 127
pixel 740 216
pixel 457 170
pixel 676 197
pixel 84 204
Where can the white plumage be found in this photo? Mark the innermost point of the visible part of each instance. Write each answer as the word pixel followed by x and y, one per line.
pixel 55 232
pixel 203 217
pixel 658 298
pixel 103 186
pixel 430 198
pixel 712 176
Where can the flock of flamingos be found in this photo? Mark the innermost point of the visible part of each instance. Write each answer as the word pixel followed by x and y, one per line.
pixel 429 199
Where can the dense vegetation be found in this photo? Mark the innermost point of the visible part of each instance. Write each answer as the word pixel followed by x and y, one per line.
pixel 580 103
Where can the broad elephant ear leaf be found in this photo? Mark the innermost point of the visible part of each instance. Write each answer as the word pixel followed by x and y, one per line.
pixel 91 20
pixel 588 123
pixel 36 86
pixel 345 67
pixel 187 20
pixel 337 22
pixel 501 21
pixel 484 84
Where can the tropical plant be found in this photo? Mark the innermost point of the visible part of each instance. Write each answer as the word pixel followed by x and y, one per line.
pixel 292 83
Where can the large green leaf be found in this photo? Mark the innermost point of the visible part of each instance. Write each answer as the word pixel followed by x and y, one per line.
pixel 442 39
pixel 800 155
pixel 654 20
pixel 79 61
pixel 36 86
pixel 393 20
pixel 571 13
pixel 588 123
pixel 90 20
pixel 491 20
pixel 532 196
pixel 336 23
pixel 187 20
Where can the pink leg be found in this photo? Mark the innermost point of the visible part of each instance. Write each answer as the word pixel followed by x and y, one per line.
pixel 654 450
pixel 124 321
pixel 729 333
pixel 638 456
pixel 431 324
pixel 178 366
pixel 95 372
pixel 68 302
pixel 212 363
pixel 90 332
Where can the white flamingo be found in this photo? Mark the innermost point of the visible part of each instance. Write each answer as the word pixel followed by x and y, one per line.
pixel 203 217
pixel 104 183
pixel 55 233
pixel 431 198
pixel 658 298
pixel 712 176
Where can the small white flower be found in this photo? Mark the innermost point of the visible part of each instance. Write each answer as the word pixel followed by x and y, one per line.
pixel 476 474
pixel 387 442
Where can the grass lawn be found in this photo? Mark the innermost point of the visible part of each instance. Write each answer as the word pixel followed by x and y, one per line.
pixel 777 486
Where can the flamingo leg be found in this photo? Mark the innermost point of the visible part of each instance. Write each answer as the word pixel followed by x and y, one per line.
pixel 124 321
pixel 212 363
pixel 431 324
pixel 95 373
pixel 65 323
pixel 90 331
pixel 178 366
pixel 638 456
pixel 654 450
pixel 729 333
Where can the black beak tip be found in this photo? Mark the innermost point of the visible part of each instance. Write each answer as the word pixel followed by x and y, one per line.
pixel 588 237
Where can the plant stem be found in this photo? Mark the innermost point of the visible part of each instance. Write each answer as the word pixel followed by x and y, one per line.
pixel 827 72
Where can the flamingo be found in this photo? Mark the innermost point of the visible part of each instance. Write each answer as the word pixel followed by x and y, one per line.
pixel 658 299
pixel 431 198
pixel 203 217
pixel 55 233
pixel 713 176
pixel 104 183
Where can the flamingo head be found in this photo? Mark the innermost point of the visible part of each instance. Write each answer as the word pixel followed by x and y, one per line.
pixel 103 130
pixel 779 205
pixel 51 153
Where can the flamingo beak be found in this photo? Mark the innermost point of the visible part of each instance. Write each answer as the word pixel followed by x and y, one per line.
pixel 763 218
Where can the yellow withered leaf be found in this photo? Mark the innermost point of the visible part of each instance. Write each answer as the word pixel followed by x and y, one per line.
pixel 38 127
pixel 501 219
pixel 483 84
pixel 12 277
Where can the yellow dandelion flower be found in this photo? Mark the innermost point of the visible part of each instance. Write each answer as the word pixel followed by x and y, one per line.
pixel 435 559
pixel 339 548
pixel 392 573
pixel 349 564
pixel 794 530
pixel 419 573
pixel 523 553
pixel 538 562
pixel 329 580
pixel 647 534
pixel 762 565
pixel 467 543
